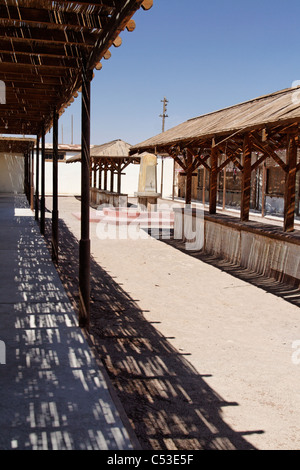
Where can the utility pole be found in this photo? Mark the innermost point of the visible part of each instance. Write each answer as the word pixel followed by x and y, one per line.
pixel 163 116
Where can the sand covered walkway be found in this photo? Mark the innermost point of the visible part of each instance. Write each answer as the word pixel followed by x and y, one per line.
pixel 200 357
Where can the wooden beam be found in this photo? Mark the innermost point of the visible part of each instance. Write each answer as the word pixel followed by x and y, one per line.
pixel 290 185
pixel 270 149
pixel 259 162
pixel 48 35
pixel 174 153
pixel 246 180
pixel 18 15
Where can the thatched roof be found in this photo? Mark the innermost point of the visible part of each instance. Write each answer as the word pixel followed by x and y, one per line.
pixel 114 149
pixel 276 109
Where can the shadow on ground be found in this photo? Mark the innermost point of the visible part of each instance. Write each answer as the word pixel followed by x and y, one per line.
pixel 168 403
pixel 289 293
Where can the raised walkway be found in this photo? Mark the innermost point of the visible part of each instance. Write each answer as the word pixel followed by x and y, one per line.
pixel 53 395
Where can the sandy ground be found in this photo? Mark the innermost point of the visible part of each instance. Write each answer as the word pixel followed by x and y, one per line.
pixel 200 357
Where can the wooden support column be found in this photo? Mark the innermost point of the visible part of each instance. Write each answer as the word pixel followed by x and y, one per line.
pixel 55 190
pixel 204 186
pixel 105 178
pixel 189 179
pixel 112 174
pixel 43 205
pixel 119 180
pixel 290 185
pixel 213 180
pixel 95 175
pixel 37 177
pixel 85 244
pixel 173 183
pixel 31 180
pixel 100 177
pixel 26 174
pixel 246 180
pixel 162 176
pixel 263 192
pixel 224 188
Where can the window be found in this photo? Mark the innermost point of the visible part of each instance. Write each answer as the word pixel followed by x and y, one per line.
pixel 61 156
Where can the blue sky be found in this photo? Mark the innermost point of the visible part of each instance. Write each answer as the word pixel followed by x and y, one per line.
pixel 200 55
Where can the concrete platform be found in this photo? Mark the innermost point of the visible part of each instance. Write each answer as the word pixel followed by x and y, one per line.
pixel 53 394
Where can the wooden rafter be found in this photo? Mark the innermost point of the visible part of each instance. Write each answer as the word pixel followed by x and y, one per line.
pixel 45 45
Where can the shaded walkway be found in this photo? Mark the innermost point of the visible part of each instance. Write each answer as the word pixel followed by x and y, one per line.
pixel 52 393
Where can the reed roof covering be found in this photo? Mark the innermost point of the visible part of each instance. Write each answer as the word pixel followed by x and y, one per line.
pixel 116 149
pixel 266 112
pixel 44 46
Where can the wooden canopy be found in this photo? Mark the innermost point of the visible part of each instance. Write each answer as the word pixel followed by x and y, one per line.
pixel 115 149
pixel 112 156
pixel 265 125
pixel 16 145
pixel 45 45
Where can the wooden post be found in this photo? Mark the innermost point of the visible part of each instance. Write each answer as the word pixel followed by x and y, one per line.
pixel 85 244
pixel 173 185
pixel 100 177
pixel 263 193
pixel 213 180
pixel 95 175
pixel 224 188
pixel 55 190
pixel 112 174
pixel 37 176
pixel 204 186
pixel 105 177
pixel 290 185
pixel 26 174
pixel 162 176
pixel 43 205
pixel 189 179
pixel 119 180
pixel 246 180
pixel 31 180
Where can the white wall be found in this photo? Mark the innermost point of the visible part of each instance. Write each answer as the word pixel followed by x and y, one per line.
pixel 11 173
pixel 168 176
pixel 69 178
pixel 130 180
